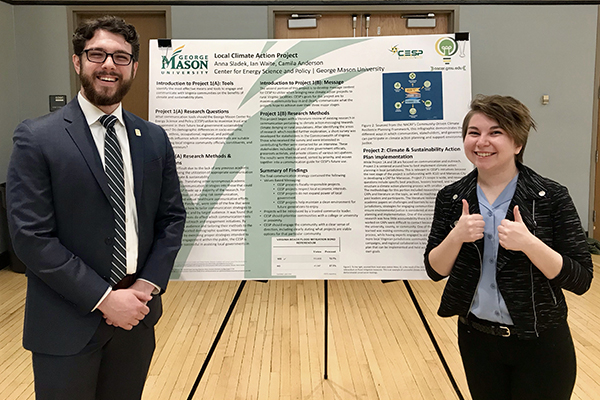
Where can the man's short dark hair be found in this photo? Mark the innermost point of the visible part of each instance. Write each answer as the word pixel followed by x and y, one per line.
pixel 87 29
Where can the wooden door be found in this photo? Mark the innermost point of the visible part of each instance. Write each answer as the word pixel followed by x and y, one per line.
pixel 389 24
pixel 149 25
pixel 373 24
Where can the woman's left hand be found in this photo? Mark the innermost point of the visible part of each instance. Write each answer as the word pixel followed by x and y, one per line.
pixel 514 235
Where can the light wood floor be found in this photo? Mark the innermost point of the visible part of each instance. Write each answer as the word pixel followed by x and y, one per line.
pixel 272 347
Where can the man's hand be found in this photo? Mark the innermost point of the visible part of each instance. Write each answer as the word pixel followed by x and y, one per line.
pixel 143 286
pixel 125 308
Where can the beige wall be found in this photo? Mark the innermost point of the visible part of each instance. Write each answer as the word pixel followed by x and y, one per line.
pixel 528 51
pixel 524 51
pixel 9 95
pixel 9 87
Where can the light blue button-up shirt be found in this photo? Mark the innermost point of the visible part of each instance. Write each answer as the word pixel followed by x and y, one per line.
pixel 488 303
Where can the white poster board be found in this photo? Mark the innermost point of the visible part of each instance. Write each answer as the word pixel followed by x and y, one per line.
pixel 311 159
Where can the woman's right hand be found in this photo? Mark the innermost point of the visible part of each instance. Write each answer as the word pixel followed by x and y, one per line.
pixel 469 227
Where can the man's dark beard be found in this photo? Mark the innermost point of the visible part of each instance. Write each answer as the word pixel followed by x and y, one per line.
pixel 101 99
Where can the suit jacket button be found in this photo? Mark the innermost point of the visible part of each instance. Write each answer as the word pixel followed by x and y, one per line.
pixel 108 241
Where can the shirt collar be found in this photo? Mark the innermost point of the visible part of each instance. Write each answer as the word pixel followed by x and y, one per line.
pixel 93 113
pixel 505 197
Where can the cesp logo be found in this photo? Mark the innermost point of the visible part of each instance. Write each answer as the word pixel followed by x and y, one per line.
pixel 406 53
pixel 180 63
pixel 446 47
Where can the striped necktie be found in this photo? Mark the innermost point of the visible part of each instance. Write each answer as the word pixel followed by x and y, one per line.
pixel 113 159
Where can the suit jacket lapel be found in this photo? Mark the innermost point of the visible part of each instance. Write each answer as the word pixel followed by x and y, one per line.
pixel 135 134
pixel 78 129
pixel 527 191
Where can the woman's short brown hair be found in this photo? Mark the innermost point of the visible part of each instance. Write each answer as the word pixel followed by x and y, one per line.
pixel 512 116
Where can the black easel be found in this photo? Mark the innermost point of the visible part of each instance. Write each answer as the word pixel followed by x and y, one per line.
pixel 217 338
pixel 326 300
pixel 431 336
pixel 326 334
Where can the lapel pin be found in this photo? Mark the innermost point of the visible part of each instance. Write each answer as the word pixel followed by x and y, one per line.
pixel 138 132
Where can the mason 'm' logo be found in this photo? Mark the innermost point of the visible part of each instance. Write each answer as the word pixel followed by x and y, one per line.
pixel 180 63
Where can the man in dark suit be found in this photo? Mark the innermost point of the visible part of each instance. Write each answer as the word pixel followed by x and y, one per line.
pixel 91 334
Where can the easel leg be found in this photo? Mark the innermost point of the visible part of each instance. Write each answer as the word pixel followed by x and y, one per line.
pixel 326 297
pixel 433 340
pixel 217 338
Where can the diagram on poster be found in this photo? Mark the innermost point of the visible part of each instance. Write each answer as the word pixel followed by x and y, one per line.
pixel 413 96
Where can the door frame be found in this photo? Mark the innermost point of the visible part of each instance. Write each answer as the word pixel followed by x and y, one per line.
pixel 362 9
pixel 72 12
pixel 595 142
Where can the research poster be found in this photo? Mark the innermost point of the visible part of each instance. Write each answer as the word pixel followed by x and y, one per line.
pixel 311 159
